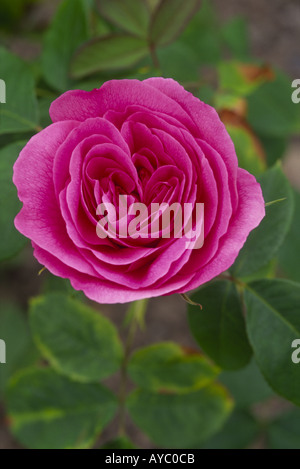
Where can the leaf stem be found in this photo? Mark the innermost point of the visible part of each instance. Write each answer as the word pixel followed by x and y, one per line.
pixel 135 310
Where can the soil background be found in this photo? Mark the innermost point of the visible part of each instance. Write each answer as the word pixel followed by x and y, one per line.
pixel 275 37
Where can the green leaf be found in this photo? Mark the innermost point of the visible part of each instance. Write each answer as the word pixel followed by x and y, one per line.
pixel 180 421
pixel 52 283
pixel 247 153
pixel 178 61
pixel 247 386
pixel 270 109
pixel 165 366
pixel 273 323
pixel 203 36
pixel 89 84
pixel 108 53
pixel 119 443
pixel 75 339
pixel 224 100
pixel 284 432
pixel 206 93
pixel 44 106
pixel 170 19
pixel 219 328
pixel 20 351
pixel 8 139
pixel 130 15
pixel 240 78
pixel 274 147
pixel 264 242
pixel 48 411
pixel 67 31
pixel 235 35
pixel 291 245
pixel 11 240
pixel 100 27
pixel 19 113
pixel 239 432
pixel 267 271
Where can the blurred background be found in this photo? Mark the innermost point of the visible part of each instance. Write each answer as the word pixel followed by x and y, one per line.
pixel 270 32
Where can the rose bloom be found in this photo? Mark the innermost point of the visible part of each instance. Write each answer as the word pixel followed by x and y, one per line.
pixel 153 142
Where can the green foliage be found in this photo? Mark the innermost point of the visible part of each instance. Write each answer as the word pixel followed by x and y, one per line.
pixel 284 431
pixel 164 416
pixel 233 77
pixel 68 30
pixel 264 242
pixel 273 323
pixel 20 351
pixel 202 35
pixel 273 319
pixel 291 245
pixel 271 111
pixel 239 432
pixel 119 443
pixel 248 154
pixel 247 387
pixel 130 15
pixel 11 240
pixel 166 367
pixel 48 411
pixel 77 341
pixel 19 113
pixel 108 53
pixel 44 106
pixel 235 36
pixel 170 19
pixel 274 147
pixel 219 327
pixel 178 61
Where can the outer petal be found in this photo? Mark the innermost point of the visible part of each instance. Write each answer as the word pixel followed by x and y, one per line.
pixel 76 105
pixel 99 289
pixel 40 218
pixel 117 95
pixel 250 212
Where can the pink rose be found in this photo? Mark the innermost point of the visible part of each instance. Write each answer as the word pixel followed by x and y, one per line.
pixel 154 142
